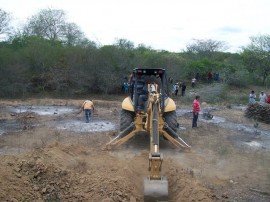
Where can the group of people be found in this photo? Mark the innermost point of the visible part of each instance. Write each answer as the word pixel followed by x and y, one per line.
pixel 88 108
pixel 263 98
pixel 196 108
pixel 125 87
pixel 212 76
pixel 88 105
pixel 177 86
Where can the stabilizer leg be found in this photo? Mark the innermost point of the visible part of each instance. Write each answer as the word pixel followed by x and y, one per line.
pixel 173 137
pixel 122 137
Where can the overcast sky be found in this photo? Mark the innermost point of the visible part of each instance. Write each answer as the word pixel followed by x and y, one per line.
pixel 162 24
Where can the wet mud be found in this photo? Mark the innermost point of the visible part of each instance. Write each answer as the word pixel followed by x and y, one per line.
pixel 61 119
pixel 245 135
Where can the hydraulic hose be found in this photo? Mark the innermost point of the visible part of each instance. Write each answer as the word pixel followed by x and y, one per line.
pixel 155 124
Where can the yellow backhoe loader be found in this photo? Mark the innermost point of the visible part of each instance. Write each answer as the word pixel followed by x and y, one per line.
pixel 149 109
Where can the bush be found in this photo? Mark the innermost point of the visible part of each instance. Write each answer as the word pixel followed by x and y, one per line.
pixel 239 79
pixel 213 93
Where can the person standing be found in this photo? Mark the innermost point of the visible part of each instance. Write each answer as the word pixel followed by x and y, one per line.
pixel 173 89
pixel 262 97
pixel 252 97
pixel 196 108
pixel 268 99
pixel 183 88
pixel 153 88
pixel 126 86
pixel 142 98
pixel 209 77
pixel 193 82
pixel 176 89
pixel 88 108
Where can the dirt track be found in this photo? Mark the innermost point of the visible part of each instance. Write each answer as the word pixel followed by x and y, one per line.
pixel 54 157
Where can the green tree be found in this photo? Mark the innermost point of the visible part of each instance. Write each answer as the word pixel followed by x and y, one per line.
pixel 48 23
pixel 256 56
pixel 73 35
pixel 205 48
pixel 5 19
pixel 124 43
pixel 51 24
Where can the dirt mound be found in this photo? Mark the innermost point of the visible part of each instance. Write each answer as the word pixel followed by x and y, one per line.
pixel 79 173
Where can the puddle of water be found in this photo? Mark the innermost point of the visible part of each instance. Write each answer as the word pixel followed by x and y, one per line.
pixel 247 132
pixel 215 119
pixel 181 128
pixel 12 150
pixel 243 108
pixel 181 112
pixel 2 132
pixel 80 126
pixel 44 110
pixel 9 126
pixel 253 144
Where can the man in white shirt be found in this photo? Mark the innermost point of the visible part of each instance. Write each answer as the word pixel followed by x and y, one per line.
pixel 262 97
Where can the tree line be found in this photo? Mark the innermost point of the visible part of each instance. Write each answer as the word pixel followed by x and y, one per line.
pixel 50 56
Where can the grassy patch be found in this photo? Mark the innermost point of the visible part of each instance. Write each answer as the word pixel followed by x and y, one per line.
pixel 218 93
pixel 211 93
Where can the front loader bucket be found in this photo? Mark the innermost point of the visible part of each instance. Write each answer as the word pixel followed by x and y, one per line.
pixel 156 190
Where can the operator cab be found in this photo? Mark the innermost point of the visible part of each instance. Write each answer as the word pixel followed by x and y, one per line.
pixel 145 81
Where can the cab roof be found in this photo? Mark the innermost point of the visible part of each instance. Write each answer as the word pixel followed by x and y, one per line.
pixel 149 72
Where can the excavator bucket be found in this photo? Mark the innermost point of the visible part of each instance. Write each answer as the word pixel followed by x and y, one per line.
pixel 156 190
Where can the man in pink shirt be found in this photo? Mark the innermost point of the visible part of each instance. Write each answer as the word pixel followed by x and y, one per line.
pixel 196 108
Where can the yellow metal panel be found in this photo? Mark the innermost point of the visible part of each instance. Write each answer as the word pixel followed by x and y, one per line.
pixel 169 105
pixel 127 104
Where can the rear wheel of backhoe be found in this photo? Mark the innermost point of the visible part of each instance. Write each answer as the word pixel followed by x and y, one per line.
pixel 171 120
pixel 127 117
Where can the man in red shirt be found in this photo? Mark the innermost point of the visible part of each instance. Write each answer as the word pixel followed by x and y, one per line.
pixel 268 99
pixel 196 108
pixel 209 77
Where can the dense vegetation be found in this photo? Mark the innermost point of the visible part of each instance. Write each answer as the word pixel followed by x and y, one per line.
pixel 50 56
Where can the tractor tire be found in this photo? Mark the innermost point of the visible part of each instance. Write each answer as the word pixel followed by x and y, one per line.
pixel 127 117
pixel 171 120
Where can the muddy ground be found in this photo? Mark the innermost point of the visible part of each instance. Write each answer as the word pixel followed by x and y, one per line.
pixel 48 153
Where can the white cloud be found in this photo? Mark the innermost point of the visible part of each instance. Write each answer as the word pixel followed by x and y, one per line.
pixel 167 25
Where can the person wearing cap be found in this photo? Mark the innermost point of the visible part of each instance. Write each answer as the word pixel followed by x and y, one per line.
pixel 87 107
pixel 262 97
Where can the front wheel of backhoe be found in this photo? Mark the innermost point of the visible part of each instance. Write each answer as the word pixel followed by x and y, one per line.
pixel 127 117
pixel 171 120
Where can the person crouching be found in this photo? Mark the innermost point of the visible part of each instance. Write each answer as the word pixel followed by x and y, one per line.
pixel 88 108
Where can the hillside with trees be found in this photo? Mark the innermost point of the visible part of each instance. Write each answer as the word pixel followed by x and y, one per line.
pixel 51 56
